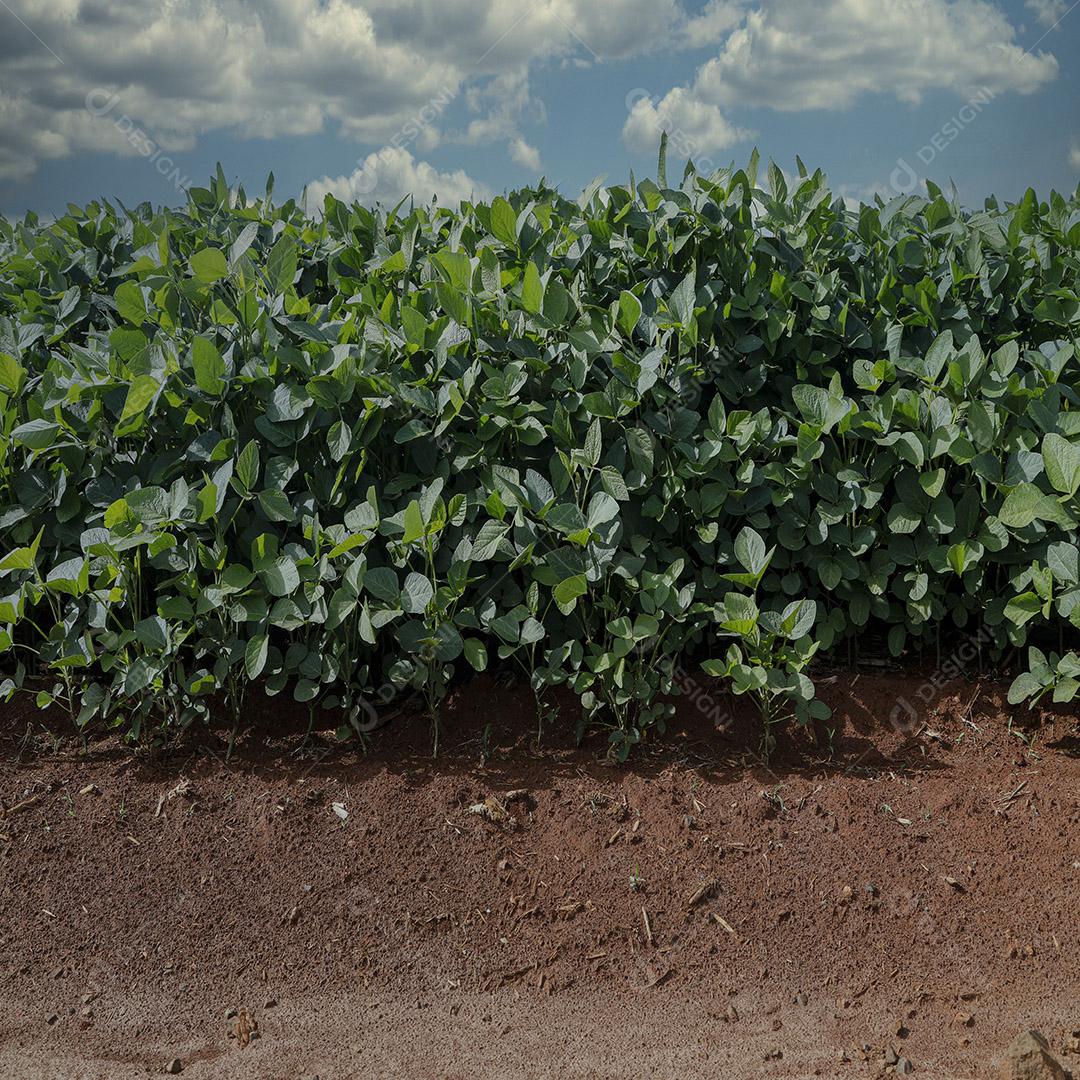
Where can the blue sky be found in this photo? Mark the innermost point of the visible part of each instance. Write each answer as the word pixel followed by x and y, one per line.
pixel 375 99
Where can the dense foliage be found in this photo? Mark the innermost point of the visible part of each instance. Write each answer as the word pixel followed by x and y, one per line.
pixel 357 454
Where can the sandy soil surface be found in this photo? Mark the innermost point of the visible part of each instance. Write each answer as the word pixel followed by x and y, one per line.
pixel 896 895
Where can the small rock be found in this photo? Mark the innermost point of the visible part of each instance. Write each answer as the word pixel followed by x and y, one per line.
pixel 52 1018
pixel 904 1067
pixel 271 1003
pixel 175 1067
pixel 1029 1058
pixel 891 1057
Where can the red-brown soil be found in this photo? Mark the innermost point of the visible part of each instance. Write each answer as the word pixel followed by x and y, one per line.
pixel 692 913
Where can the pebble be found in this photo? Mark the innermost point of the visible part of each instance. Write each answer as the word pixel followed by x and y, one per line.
pixel 175 1067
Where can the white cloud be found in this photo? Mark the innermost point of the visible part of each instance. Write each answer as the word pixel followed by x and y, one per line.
pixel 504 102
pixel 187 67
pixel 827 53
pixel 525 155
pixel 1074 154
pixel 1048 12
pixel 265 68
pixel 710 27
pixel 390 174
pixel 371 69
pixel 695 129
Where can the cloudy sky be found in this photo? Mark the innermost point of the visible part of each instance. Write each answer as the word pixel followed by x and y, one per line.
pixel 375 99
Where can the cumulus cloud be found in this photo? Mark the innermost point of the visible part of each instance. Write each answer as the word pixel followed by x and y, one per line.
pixel 389 175
pixel 370 69
pixel 187 67
pixel 825 54
pixel 180 69
pixel 524 154
pixel 694 127
pixel 502 104
pixel 1047 12
pixel 712 24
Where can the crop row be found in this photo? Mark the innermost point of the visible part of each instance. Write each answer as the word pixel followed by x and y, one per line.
pixel 353 456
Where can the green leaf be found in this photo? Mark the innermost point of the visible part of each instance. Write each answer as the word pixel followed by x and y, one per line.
pixel 602 508
pixel 593 443
pixel 153 633
pixel 416 594
pixel 629 312
pixel 683 299
pixel 338 440
pixel 1023 687
pixel 382 583
pixel 1062 461
pixel 209 265
pixel 1022 506
pixel 458 267
pixel 414 523
pixel 276 506
pixel 281 264
pixel 503 226
pixel 570 588
pixel 476 653
pixel 532 289
pixel 281 577
pixel 209 366
pixel 247 466
pixel 750 551
pixel 130 305
pixel 255 654
pixel 141 393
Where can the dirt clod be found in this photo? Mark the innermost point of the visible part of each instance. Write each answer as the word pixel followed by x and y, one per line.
pixel 1029 1058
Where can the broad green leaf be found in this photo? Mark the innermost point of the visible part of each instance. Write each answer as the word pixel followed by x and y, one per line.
pixel 255 654
pixel 475 653
pixel 281 577
pixel 416 594
pixel 141 393
pixel 1062 461
pixel 414 523
pixel 281 264
pixel 532 289
pixel 209 265
pixel 209 366
pixel 247 466
pixel 130 304
pixel 503 226
pixel 629 312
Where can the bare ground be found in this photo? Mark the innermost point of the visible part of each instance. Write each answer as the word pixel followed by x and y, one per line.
pixel 694 913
